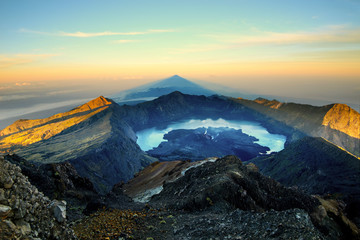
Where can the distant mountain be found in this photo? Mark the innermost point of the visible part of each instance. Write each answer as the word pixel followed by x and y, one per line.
pixel 159 88
pixel 92 137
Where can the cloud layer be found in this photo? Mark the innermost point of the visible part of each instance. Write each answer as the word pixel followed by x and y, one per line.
pixel 96 34
pixel 18 59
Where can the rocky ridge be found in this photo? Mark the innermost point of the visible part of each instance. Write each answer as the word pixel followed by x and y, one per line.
pixel 337 123
pixel 25 212
pixel 59 181
pixel 25 132
pixel 93 138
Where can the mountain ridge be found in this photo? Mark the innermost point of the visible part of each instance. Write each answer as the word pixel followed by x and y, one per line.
pixel 24 124
pixel 337 123
pixel 101 132
pixel 92 137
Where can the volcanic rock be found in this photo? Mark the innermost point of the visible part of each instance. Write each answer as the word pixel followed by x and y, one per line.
pixel 25 211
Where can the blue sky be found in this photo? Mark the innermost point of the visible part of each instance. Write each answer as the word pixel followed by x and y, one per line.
pixel 291 48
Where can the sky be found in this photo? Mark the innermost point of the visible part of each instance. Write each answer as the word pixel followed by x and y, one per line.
pixel 65 50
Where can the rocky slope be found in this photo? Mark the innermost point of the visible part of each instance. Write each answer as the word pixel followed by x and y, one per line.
pixel 150 181
pixel 25 212
pixel 222 199
pixel 59 181
pixel 316 165
pixel 337 123
pixel 227 184
pixel 92 137
pixel 25 132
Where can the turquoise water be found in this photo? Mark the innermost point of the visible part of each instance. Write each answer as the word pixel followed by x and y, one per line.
pixel 152 137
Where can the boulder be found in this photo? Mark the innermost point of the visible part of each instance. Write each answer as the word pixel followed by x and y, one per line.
pixel 4 211
pixel 59 210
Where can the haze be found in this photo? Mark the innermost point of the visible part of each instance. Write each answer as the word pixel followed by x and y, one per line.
pixel 63 52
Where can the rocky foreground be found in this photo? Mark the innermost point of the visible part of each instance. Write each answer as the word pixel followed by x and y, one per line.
pixel 222 199
pixel 25 212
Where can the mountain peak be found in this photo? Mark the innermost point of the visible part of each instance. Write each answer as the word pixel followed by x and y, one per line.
pixel 23 131
pixel 176 80
pixel 343 118
pixel 269 103
pixel 162 87
pixel 95 103
pixel 99 102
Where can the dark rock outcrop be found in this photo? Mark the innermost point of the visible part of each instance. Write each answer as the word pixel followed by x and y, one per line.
pixel 220 190
pixel 239 224
pixel 59 181
pixel 55 180
pixel 228 184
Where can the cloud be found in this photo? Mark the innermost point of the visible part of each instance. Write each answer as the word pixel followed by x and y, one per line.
pixel 329 34
pixel 99 34
pixel 23 84
pixel 16 97
pixel 160 30
pixel 125 41
pixel 197 48
pixel 333 34
pixel 18 59
pixel 96 34
pixel 62 92
pixel 4 87
pixel 6 61
pixel 23 30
